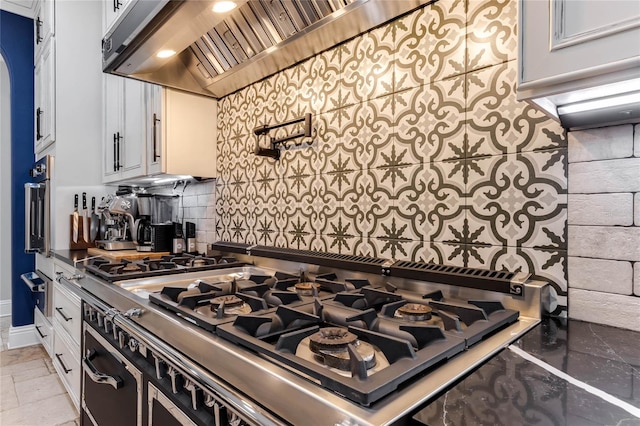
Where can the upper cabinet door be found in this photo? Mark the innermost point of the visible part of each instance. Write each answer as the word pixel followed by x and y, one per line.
pixel 44 91
pixel 133 146
pixel 112 9
pixel 155 134
pixel 113 112
pixel 43 25
pixel 562 41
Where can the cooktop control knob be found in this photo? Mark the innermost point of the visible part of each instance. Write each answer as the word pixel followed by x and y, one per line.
pixel 133 344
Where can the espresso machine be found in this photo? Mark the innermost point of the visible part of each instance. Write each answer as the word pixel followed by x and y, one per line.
pixel 118 215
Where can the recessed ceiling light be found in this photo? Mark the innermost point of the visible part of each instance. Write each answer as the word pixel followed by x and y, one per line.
pixel 224 6
pixel 165 53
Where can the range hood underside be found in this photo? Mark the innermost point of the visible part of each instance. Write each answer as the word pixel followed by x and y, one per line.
pixel 186 28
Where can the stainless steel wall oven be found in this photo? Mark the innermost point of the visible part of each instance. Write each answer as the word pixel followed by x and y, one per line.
pixel 38 207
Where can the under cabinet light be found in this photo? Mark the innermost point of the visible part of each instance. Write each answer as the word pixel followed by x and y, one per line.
pixel 165 53
pixel 223 6
pixel 593 104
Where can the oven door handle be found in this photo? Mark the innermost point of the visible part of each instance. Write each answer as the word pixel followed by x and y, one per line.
pixel 35 283
pixel 96 375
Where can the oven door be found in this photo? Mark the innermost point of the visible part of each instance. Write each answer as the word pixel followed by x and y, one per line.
pixel 163 412
pixel 111 385
pixel 37 233
pixel 41 287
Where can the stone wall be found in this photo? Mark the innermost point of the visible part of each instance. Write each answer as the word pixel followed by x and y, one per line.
pixel 604 226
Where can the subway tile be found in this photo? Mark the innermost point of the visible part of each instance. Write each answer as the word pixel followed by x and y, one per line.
pixel 605 176
pixel 605 242
pixel 605 308
pixel 600 209
pixel 636 279
pixel 609 276
pixel 636 209
pixel 606 143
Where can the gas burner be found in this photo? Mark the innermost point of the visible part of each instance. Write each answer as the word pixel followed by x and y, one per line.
pixel 126 269
pixel 307 288
pixel 229 305
pixel 331 346
pixel 414 312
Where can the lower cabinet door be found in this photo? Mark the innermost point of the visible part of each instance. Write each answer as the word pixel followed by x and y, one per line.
pixel 66 362
pixel 112 386
pixel 163 412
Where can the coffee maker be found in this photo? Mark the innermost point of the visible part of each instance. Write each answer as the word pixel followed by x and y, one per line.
pixel 154 226
pixel 143 223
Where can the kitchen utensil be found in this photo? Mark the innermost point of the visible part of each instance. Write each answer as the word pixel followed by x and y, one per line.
pixel 85 218
pixel 95 221
pixel 190 236
pixel 75 218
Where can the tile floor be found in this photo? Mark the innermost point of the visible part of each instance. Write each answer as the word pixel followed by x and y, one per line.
pixel 31 393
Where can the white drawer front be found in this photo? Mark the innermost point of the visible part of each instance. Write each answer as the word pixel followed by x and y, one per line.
pixel 66 312
pixel 44 330
pixel 67 363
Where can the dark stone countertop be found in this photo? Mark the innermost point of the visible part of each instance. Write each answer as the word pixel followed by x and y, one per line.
pixel 511 390
pixel 70 257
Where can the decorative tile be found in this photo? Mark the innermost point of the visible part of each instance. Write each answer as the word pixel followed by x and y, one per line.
pixel 429 122
pixel 491 32
pixel 546 265
pixel 364 202
pixel 367 133
pixel 519 199
pixel 367 66
pixel 320 83
pixel 497 123
pixel 299 231
pixel 430 44
pixel 398 249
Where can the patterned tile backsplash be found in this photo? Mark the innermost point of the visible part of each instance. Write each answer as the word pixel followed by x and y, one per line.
pixel 420 150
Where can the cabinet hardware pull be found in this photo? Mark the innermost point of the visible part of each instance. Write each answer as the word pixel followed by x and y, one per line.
pixel 40 332
pixel 38 25
pixel 155 138
pixel 38 114
pixel 115 154
pixel 97 376
pixel 118 165
pixel 64 317
pixel 64 368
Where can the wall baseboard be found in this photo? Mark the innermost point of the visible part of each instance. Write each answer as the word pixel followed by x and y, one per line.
pixel 19 337
pixel 5 308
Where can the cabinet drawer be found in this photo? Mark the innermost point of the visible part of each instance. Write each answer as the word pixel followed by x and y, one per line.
pixel 66 359
pixel 66 312
pixel 44 330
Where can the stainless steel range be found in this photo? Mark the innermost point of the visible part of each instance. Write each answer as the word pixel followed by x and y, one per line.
pixel 352 340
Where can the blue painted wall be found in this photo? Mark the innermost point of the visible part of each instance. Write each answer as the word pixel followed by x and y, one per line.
pixel 16 45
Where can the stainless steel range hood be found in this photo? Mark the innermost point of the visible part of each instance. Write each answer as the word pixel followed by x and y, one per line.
pixel 218 54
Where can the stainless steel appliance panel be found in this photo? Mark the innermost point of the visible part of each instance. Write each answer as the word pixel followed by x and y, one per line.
pixel 38 208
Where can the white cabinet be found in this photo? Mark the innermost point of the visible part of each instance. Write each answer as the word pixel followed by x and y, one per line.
pixel 153 131
pixel 181 133
pixel 573 51
pixel 111 11
pixel 124 131
pixel 44 102
pixel 43 25
pixel 67 325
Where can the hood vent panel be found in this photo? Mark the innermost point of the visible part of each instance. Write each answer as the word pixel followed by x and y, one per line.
pixel 255 27
pixel 221 54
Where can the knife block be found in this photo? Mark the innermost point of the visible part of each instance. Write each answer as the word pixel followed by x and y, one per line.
pixel 81 243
